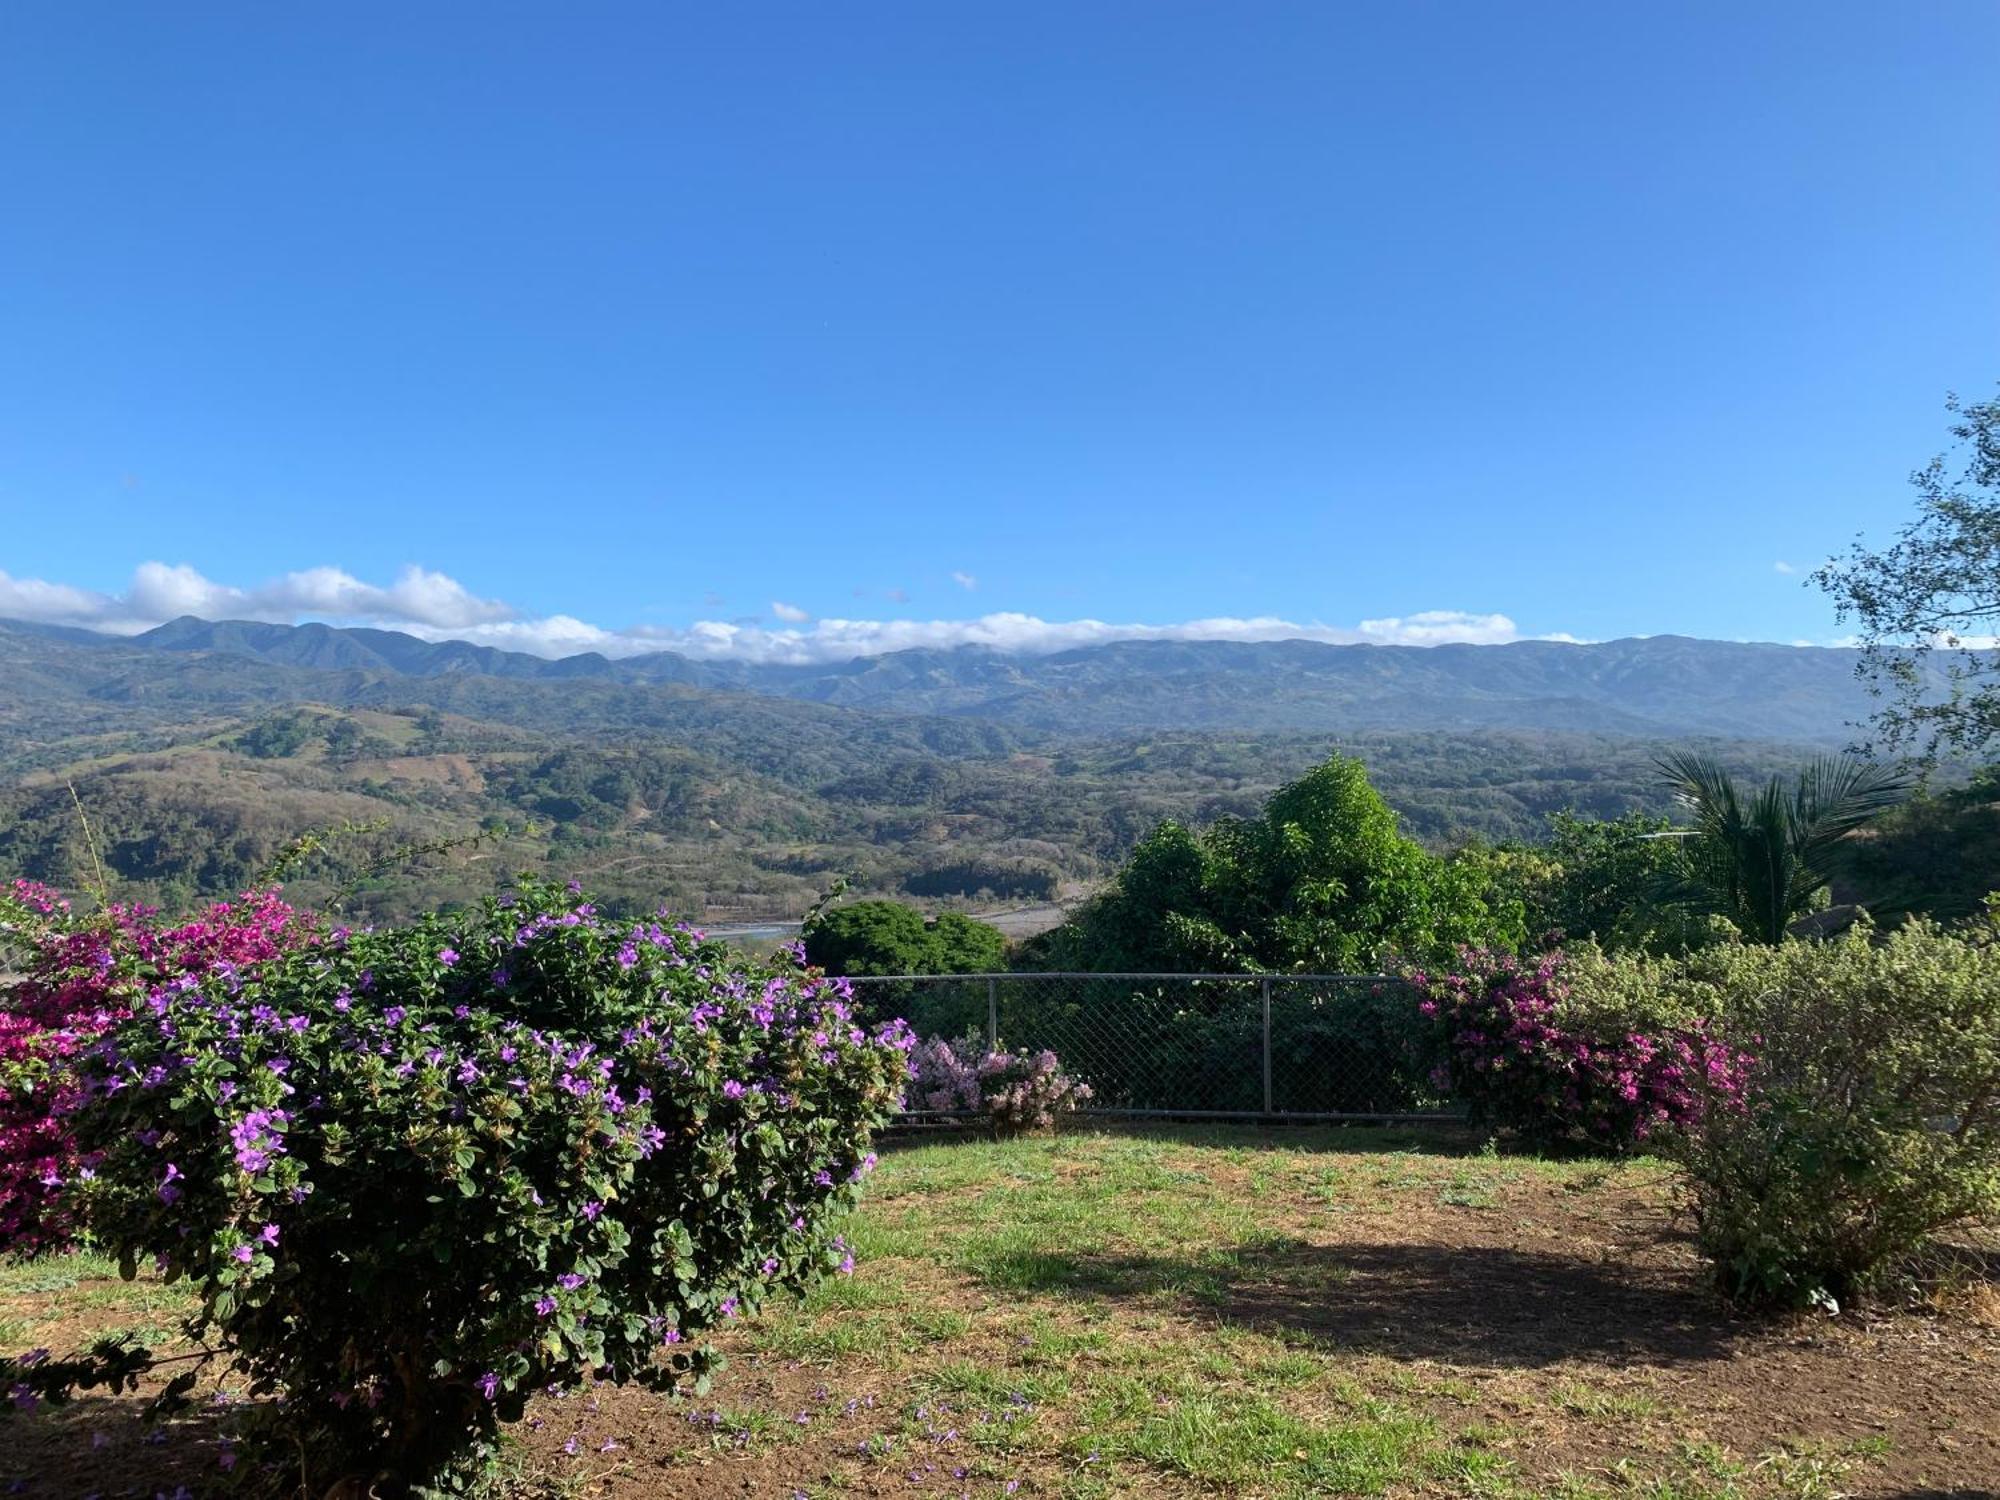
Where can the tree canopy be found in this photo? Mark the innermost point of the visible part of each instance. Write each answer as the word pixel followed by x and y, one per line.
pixel 887 937
pixel 1323 880
pixel 1595 879
pixel 1928 605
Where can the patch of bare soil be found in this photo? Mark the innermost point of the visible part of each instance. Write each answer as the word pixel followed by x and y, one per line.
pixel 773 1428
pixel 99 1445
pixel 456 771
pixel 1585 1318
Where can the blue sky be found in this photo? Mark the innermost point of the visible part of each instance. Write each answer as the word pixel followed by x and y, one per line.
pixel 482 318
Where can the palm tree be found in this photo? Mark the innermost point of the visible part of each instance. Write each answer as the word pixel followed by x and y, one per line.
pixel 1760 858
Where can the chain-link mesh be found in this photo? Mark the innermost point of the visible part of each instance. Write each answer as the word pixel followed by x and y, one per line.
pixel 1191 1044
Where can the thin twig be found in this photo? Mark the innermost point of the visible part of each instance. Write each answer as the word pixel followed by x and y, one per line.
pixel 102 890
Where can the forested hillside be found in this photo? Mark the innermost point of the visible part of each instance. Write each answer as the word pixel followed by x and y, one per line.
pixel 193 768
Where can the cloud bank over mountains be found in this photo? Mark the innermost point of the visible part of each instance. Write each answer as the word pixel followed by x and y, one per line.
pixel 435 606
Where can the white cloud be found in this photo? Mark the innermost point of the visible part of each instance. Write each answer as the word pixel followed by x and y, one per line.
pixel 52 603
pixel 1437 627
pixel 437 607
pixel 965 581
pixel 159 592
pixel 1784 567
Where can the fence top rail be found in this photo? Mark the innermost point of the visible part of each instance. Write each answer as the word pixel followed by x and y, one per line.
pixel 1076 974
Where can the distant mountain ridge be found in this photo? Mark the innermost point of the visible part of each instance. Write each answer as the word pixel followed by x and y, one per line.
pixel 1646 687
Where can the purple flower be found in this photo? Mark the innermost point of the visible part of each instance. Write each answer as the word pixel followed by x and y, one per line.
pixel 447 956
pixel 488 1384
pixel 258 1139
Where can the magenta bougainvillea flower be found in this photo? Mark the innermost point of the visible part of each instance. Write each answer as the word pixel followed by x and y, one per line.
pixel 83 975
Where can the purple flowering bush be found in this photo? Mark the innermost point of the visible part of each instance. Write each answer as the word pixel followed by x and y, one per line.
pixel 1522 1052
pixel 941 1080
pixel 418 1174
pixel 1028 1090
pixel 1017 1091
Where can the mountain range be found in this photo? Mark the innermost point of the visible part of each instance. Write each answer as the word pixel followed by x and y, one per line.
pixel 185 758
pixel 1651 687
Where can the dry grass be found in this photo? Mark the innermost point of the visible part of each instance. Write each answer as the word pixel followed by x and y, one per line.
pixel 1219 1312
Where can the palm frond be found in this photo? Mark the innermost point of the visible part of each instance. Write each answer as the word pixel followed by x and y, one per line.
pixel 1836 795
pixel 1760 860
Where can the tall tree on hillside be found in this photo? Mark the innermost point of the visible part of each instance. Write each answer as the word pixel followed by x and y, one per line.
pixel 1322 881
pixel 887 937
pixel 1761 859
pixel 1928 606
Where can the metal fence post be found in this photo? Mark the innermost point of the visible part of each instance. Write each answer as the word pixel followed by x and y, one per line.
pixel 1267 1044
pixel 992 1014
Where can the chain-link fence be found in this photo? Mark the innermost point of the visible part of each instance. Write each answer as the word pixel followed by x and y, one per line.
pixel 1329 1046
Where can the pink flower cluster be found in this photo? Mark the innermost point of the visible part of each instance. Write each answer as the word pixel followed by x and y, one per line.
pixel 1027 1090
pixel 82 977
pixel 1515 1057
pixel 940 1080
pixel 1017 1090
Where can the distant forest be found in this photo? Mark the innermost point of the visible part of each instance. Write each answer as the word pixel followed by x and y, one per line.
pixel 195 768
pixel 724 826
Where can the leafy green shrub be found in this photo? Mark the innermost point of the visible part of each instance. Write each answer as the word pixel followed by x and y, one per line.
pixel 1871 1119
pixel 1594 880
pixel 887 937
pixel 875 938
pixel 421 1174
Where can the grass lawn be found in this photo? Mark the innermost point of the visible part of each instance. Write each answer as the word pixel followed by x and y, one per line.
pixel 1193 1312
